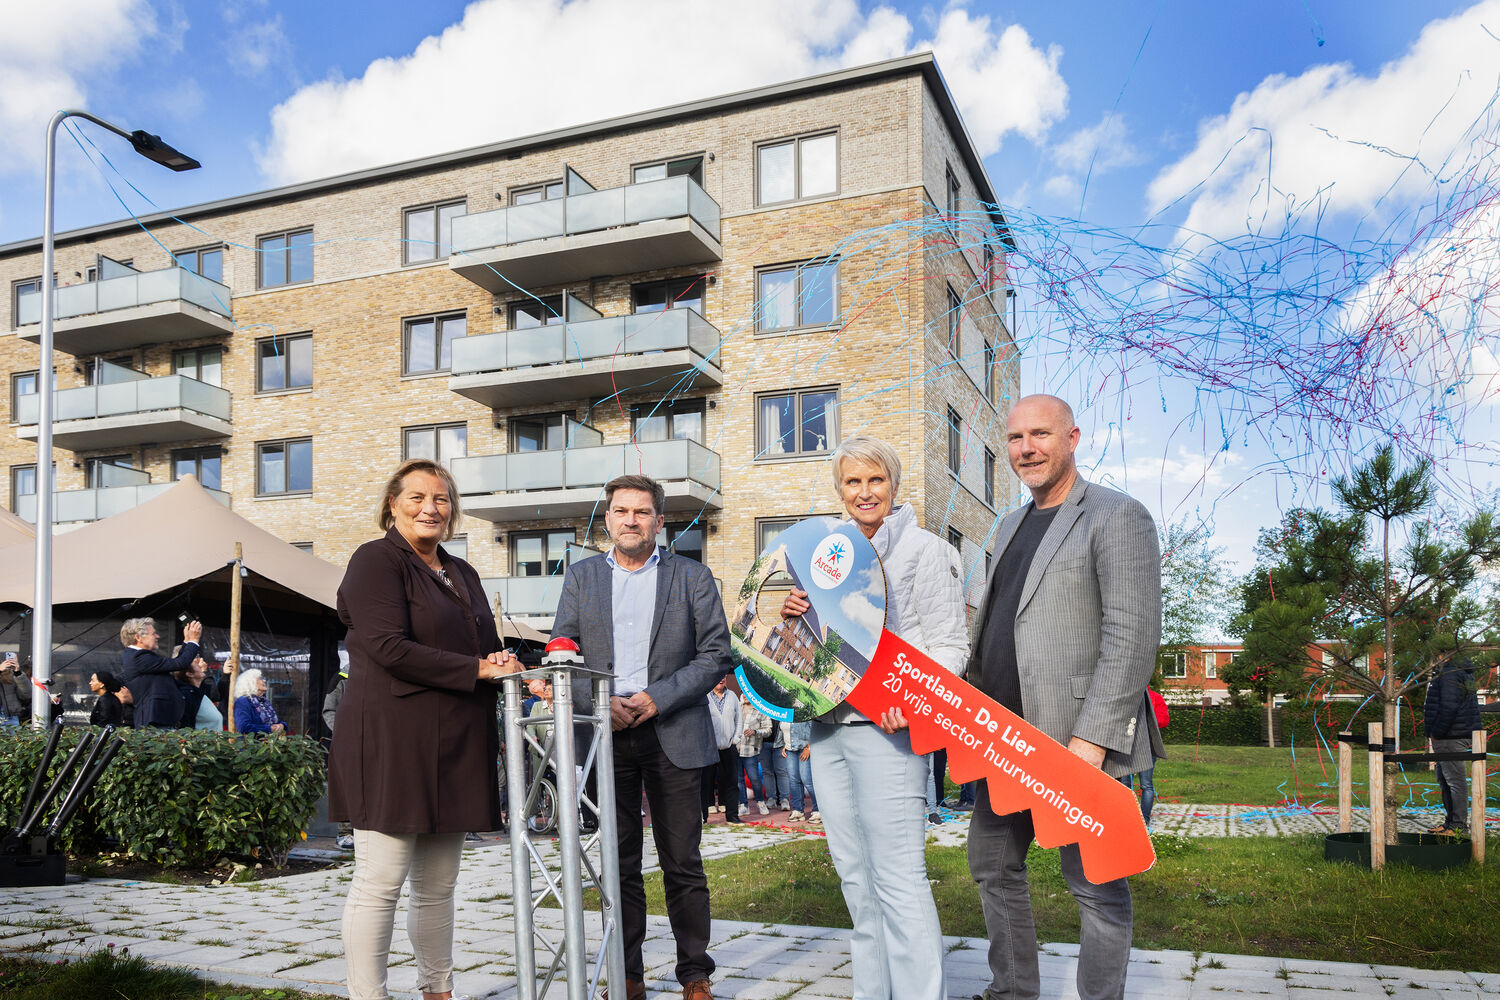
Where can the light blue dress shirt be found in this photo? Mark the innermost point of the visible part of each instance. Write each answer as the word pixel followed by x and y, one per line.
pixel 633 600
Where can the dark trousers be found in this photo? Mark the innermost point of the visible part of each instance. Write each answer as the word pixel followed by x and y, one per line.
pixel 677 827
pixel 1454 785
pixel 997 860
pixel 722 778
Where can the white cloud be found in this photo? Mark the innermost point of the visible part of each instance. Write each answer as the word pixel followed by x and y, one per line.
pixel 1062 186
pixel 254 47
pixel 472 84
pixel 1331 135
pixel 1099 148
pixel 50 52
pixel 859 610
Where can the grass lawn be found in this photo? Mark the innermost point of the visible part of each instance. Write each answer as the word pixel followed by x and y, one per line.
pixel 1242 895
pixel 106 976
pixel 1267 776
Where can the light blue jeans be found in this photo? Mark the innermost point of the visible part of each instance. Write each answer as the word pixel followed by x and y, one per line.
pixel 800 773
pixel 872 793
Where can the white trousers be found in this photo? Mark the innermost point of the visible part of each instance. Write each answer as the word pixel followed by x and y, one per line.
pixel 382 864
pixel 872 796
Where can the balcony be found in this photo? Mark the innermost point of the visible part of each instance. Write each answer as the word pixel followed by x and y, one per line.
pixel 524 596
pixel 566 482
pixel 638 227
pixel 128 409
pixel 665 351
pixel 141 307
pixel 121 490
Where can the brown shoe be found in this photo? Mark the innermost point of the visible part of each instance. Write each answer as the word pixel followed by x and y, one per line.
pixel 634 990
pixel 697 990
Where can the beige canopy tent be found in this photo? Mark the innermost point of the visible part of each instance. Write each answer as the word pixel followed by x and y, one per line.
pixel 14 530
pixel 183 534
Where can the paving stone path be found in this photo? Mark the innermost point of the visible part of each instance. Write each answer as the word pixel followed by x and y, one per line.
pixel 285 932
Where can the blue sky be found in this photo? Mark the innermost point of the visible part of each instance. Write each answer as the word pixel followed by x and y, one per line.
pixel 1178 113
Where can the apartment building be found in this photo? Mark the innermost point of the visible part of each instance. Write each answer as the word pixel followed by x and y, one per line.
pixel 713 294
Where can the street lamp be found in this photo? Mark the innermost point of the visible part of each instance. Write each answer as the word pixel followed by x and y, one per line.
pixel 152 148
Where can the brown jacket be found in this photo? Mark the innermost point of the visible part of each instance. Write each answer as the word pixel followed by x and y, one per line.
pixel 416 743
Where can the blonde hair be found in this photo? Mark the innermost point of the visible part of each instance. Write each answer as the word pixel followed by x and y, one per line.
pixel 394 485
pixel 864 448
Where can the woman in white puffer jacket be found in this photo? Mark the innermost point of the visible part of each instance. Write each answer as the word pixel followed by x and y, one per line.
pixel 871 787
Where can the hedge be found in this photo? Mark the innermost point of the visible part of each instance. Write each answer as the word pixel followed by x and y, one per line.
pixel 180 797
pixel 1297 723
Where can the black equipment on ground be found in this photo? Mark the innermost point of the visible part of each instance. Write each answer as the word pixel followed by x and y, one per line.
pixel 27 855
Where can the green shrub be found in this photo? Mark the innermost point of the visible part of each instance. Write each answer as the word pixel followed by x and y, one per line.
pixel 182 797
pixel 1217 725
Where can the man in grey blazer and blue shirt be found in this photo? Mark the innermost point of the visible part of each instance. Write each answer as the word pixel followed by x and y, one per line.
pixel 655 620
pixel 1068 641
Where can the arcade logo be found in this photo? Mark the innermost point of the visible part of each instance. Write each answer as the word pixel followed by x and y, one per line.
pixel 831 561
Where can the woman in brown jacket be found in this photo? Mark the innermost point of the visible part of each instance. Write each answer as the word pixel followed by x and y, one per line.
pixel 413 760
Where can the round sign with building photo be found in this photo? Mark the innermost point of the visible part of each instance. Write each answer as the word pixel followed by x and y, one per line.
pixel 801 667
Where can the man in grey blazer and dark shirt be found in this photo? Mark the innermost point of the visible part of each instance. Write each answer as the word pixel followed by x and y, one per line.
pixel 655 620
pixel 1068 641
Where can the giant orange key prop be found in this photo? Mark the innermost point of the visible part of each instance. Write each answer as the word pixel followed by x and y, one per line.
pixel 1070 800
pixel 841 651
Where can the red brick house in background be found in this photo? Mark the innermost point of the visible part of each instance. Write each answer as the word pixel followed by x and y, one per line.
pixel 1191 676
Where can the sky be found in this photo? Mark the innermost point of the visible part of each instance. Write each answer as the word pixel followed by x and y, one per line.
pixel 1295 196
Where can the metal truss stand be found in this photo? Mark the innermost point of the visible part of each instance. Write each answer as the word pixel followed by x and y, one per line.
pixel 580 861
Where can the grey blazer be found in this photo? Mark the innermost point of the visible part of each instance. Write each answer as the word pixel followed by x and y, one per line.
pixel 1088 625
pixel 689 647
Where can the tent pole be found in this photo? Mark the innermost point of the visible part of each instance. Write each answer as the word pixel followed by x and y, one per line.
pixel 235 589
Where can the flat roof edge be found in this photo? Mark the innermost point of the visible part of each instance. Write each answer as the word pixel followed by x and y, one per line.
pixel 923 62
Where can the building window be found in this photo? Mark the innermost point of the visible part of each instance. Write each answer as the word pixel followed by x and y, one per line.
pixel 987 275
pixel 989 477
pixel 427 342
pixel 803 422
pixel 304 546
pixel 283 363
pixel 955 319
pixel 767 530
pixel 440 443
pixel 528 314
pixel 21 384
pixel 285 258
pixel 539 553
pixel 538 432
pixel 955 441
pixel 989 371
pixel 797 296
pixel 283 467
pixel 427 231
pixel 206 364
pixel 23 290
pixel 205 464
pixel 669 421
pixel 688 166
pixel 1211 666
pixel 956 539
pixel 1173 665
pixel 686 540
pixel 953 191
pixel 458 547
pixel 674 293
pixel 96 470
pixel 209 262
pixel 533 193
pixel 791 169
pixel 22 484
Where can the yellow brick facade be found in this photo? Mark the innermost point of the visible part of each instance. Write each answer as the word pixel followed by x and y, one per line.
pixel 888 358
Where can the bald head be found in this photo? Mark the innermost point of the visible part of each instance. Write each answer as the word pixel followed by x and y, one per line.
pixel 1041 438
pixel 1054 406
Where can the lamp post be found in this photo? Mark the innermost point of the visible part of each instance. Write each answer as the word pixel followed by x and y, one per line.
pixel 152 148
